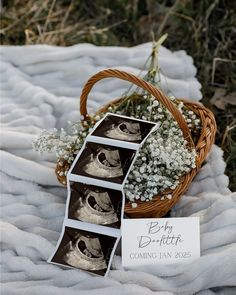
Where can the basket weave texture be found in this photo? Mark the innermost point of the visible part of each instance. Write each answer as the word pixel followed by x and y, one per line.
pixel 157 207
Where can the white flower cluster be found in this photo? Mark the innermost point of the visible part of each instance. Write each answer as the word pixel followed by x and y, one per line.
pixel 161 161
pixel 63 143
pixel 189 116
pixel 164 157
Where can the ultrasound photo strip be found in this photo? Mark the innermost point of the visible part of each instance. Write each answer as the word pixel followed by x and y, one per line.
pixel 95 205
pixel 102 165
pixel 122 131
pixel 91 228
pixel 109 160
pixel 85 250
pixel 85 245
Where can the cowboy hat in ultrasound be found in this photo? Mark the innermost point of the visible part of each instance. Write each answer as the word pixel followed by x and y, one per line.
pixel 95 204
pixel 123 128
pixel 85 250
pixel 105 162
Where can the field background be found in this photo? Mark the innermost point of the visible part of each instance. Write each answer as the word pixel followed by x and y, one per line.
pixel 205 29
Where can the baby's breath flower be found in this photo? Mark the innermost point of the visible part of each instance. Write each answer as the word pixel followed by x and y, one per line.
pixel 64 143
pixel 163 158
pixel 160 162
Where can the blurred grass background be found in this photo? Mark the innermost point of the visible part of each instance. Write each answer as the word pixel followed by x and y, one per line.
pixel 206 29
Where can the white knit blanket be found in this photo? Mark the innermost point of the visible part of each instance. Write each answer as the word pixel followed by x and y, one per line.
pixel 40 86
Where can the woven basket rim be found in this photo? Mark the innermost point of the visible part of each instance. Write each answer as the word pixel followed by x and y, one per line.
pixel 157 207
pixel 202 151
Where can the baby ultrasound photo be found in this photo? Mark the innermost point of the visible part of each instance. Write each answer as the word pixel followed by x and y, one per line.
pixel 85 250
pixel 104 162
pixel 125 129
pixel 94 204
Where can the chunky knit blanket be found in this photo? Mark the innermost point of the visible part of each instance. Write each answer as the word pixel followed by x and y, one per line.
pixel 40 86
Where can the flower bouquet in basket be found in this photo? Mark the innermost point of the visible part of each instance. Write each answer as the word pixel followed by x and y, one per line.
pixel 170 157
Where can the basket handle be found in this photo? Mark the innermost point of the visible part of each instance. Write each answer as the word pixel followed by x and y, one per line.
pixel 161 97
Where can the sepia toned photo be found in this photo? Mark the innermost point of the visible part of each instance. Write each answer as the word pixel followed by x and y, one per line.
pixel 95 204
pixel 103 96
pixel 104 162
pixel 122 128
pixel 85 250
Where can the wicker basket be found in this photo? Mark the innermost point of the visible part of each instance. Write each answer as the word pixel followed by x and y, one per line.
pixel 158 207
